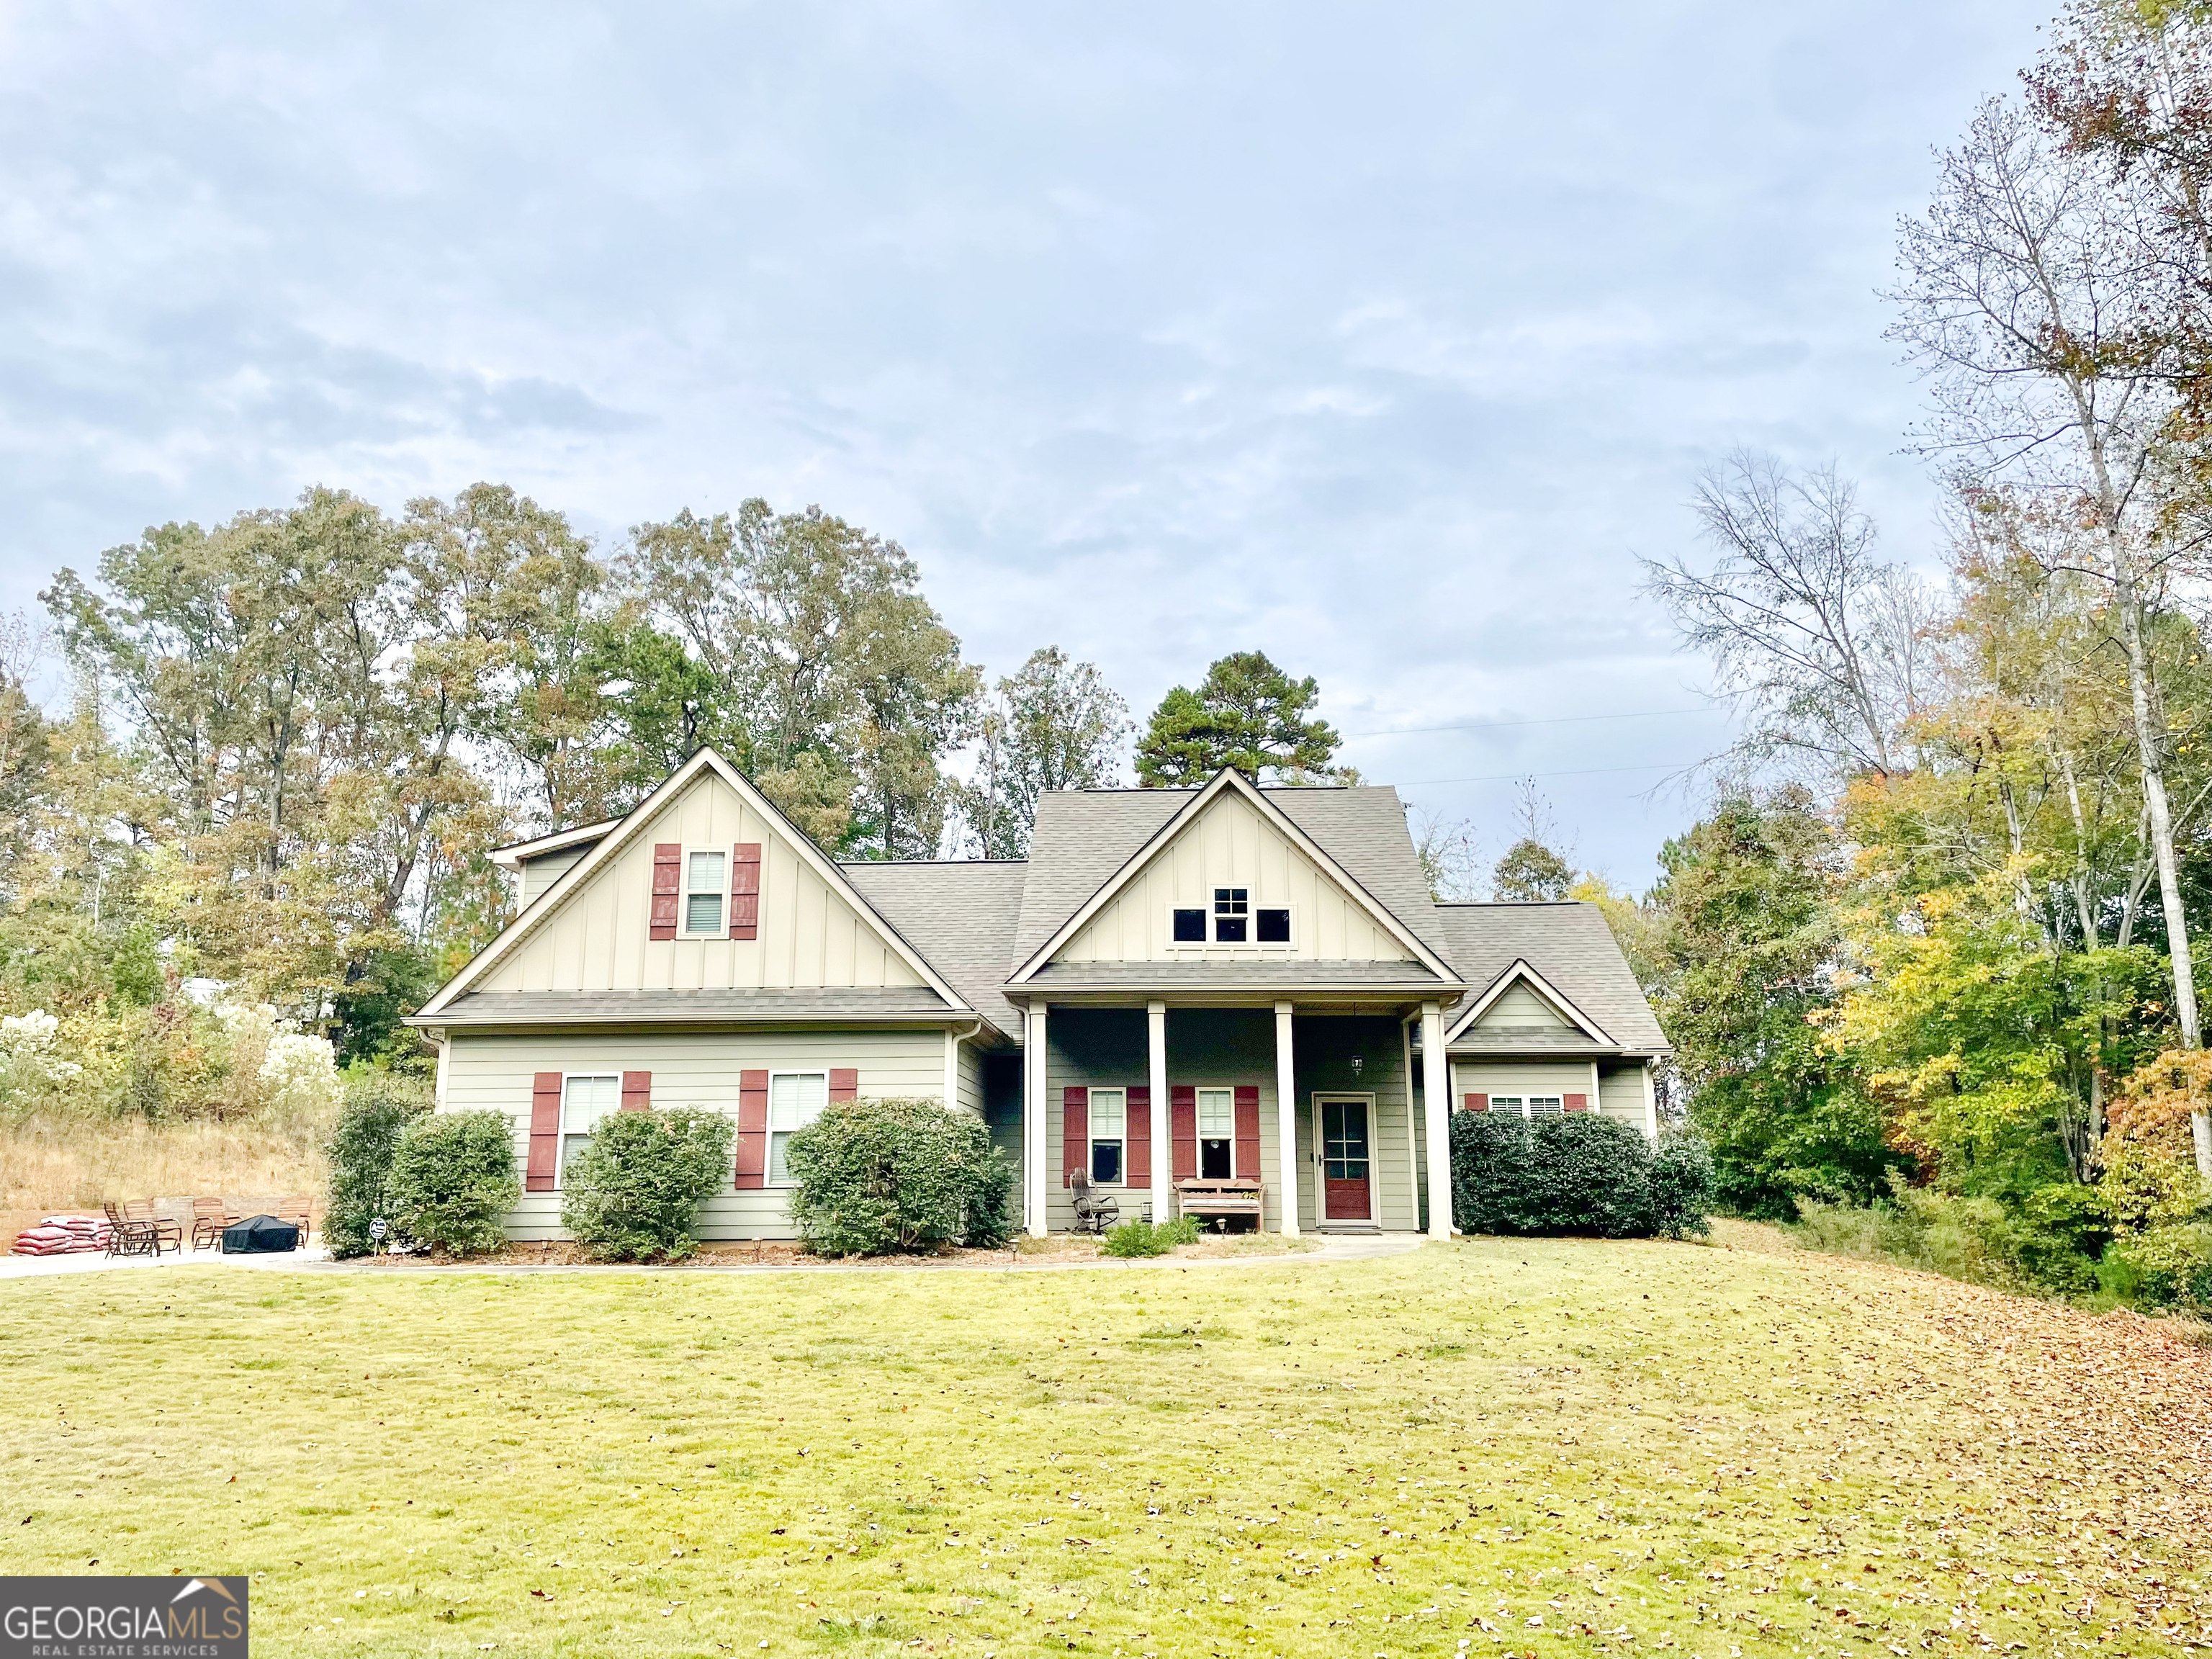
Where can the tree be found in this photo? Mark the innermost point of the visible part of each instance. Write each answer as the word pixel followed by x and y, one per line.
pixel 1247 713
pixel 1447 850
pixel 1816 643
pixel 1053 724
pixel 2024 294
pixel 1530 872
pixel 1751 938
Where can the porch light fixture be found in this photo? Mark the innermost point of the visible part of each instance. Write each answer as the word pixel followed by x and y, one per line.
pixel 1358 1060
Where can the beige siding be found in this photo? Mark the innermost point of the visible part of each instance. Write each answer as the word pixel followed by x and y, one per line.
pixel 1230 845
pixel 688 1069
pixel 1519 1008
pixel 538 874
pixel 1620 1093
pixel 970 1092
pixel 598 939
pixel 1222 1049
pixel 1519 1077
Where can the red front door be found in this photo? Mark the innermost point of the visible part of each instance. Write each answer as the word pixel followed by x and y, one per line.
pixel 1345 1162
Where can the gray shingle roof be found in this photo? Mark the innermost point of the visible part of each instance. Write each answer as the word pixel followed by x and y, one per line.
pixel 1569 944
pixel 1083 836
pixel 901 1003
pixel 959 915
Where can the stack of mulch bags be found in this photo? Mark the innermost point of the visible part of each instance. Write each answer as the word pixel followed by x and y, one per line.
pixel 62 1235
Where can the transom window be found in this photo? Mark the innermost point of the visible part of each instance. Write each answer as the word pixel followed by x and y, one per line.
pixel 584 1101
pixel 705 881
pixel 1109 1124
pixel 1231 919
pixel 1217 1133
pixel 1529 1105
pixel 795 1099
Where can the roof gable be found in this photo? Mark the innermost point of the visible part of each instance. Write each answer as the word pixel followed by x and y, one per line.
pixel 1569 945
pixel 1521 1000
pixel 1344 916
pixel 589 931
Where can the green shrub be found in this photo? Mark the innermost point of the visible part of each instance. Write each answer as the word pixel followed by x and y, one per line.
pixel 635 1192
pixel 378 1108
pixel 453 1180
pixel 875 1177
pixel 1134 1239
pixel 1681 1185
pixel 1577 1174
pixel 2161 1267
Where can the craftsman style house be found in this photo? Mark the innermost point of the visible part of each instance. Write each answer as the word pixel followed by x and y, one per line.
pixel 1180 993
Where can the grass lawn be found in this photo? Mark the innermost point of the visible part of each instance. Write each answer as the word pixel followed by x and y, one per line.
pixel 1485 1448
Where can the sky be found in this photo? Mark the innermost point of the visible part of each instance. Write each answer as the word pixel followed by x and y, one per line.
pixel 1383 337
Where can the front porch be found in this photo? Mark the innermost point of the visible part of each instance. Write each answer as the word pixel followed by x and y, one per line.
pixel 1321 1103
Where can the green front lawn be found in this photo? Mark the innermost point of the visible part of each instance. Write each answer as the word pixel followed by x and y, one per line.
pixel 1487 1446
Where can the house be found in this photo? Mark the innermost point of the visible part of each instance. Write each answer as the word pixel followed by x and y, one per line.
pixel 1232 983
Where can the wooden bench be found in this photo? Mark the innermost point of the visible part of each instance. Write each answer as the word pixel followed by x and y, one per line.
pixel 1220 1200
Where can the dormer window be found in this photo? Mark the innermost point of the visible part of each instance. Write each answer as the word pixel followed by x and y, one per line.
pixel 704 884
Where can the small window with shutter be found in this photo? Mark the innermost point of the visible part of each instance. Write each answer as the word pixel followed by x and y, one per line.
pixel 1217 1133
pixel 706 880
pixel 795 1099
pixel 1545 1106
pixel 584 1101
pixel 1110 1123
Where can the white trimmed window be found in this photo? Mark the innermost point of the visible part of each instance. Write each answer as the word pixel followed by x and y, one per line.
pixel 1217 1133
pixel 706 882
pixel 584 1101
pixel 795 1099
pixel 1231 918
pixel 1109 1126
pixel 1529 1105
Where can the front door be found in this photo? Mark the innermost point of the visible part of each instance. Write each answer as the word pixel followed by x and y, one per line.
pixel 1345 1162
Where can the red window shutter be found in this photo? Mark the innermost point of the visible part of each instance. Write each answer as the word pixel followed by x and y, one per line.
pixel 744 891
pixel 544 1165
pixel 1476 1103
pixel 637 1090
pixel 752 1130
pixel 1138 1137
pixel 1183 1130
pixel 1074 1132
pixel 844 1084
pixel 667 879
pixel 1575 1103
pixel 1248 1132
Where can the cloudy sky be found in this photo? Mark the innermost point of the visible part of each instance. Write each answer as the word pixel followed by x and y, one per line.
pixel 1381 336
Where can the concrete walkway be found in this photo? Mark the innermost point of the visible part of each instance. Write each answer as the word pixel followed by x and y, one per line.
pixel 1329 1250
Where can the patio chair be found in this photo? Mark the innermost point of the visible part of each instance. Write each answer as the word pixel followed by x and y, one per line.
pixel 210 1217
pixel 165 1231
pixel 1095 1212
pixel 299 1212
pixel 126 1237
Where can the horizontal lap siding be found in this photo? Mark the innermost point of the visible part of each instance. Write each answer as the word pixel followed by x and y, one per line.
pixel 1519 1077
pixel 970 1080
pixel 1108 1048
pixel 1620 1093
pixel 688 1069
pixel 1324 1047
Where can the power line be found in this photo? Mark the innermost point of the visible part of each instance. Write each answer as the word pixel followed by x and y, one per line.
pixel 1514 777
pixel 1486 725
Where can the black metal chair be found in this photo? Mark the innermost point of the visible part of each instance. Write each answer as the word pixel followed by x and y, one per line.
pixel 1095 1212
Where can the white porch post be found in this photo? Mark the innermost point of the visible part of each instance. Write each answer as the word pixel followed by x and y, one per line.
pixel 1033 1121
pixel 1436 1098
pixel 951 1068
pixel 1286 1122
pixel 1155 1029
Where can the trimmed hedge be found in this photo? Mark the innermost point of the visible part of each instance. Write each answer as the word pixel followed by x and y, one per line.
pixel 1580 1174
pixel 635 1192
pixel 454 1182
pixel 876 1177
pixel 378 1109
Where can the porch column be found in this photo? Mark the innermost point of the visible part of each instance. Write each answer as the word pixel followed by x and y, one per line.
pixel 1286 1122
pixel 1155 1029
pixel 1033 1123
pixel 1435 1098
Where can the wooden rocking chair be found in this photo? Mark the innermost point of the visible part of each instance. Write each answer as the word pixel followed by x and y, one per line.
pixel 1095 1212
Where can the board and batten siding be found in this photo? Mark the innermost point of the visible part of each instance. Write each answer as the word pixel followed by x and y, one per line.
pixel 1230 845
pixel 692 1068
pixel 600 939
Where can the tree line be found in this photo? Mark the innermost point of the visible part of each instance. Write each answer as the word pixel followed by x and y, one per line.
pixel 292 740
